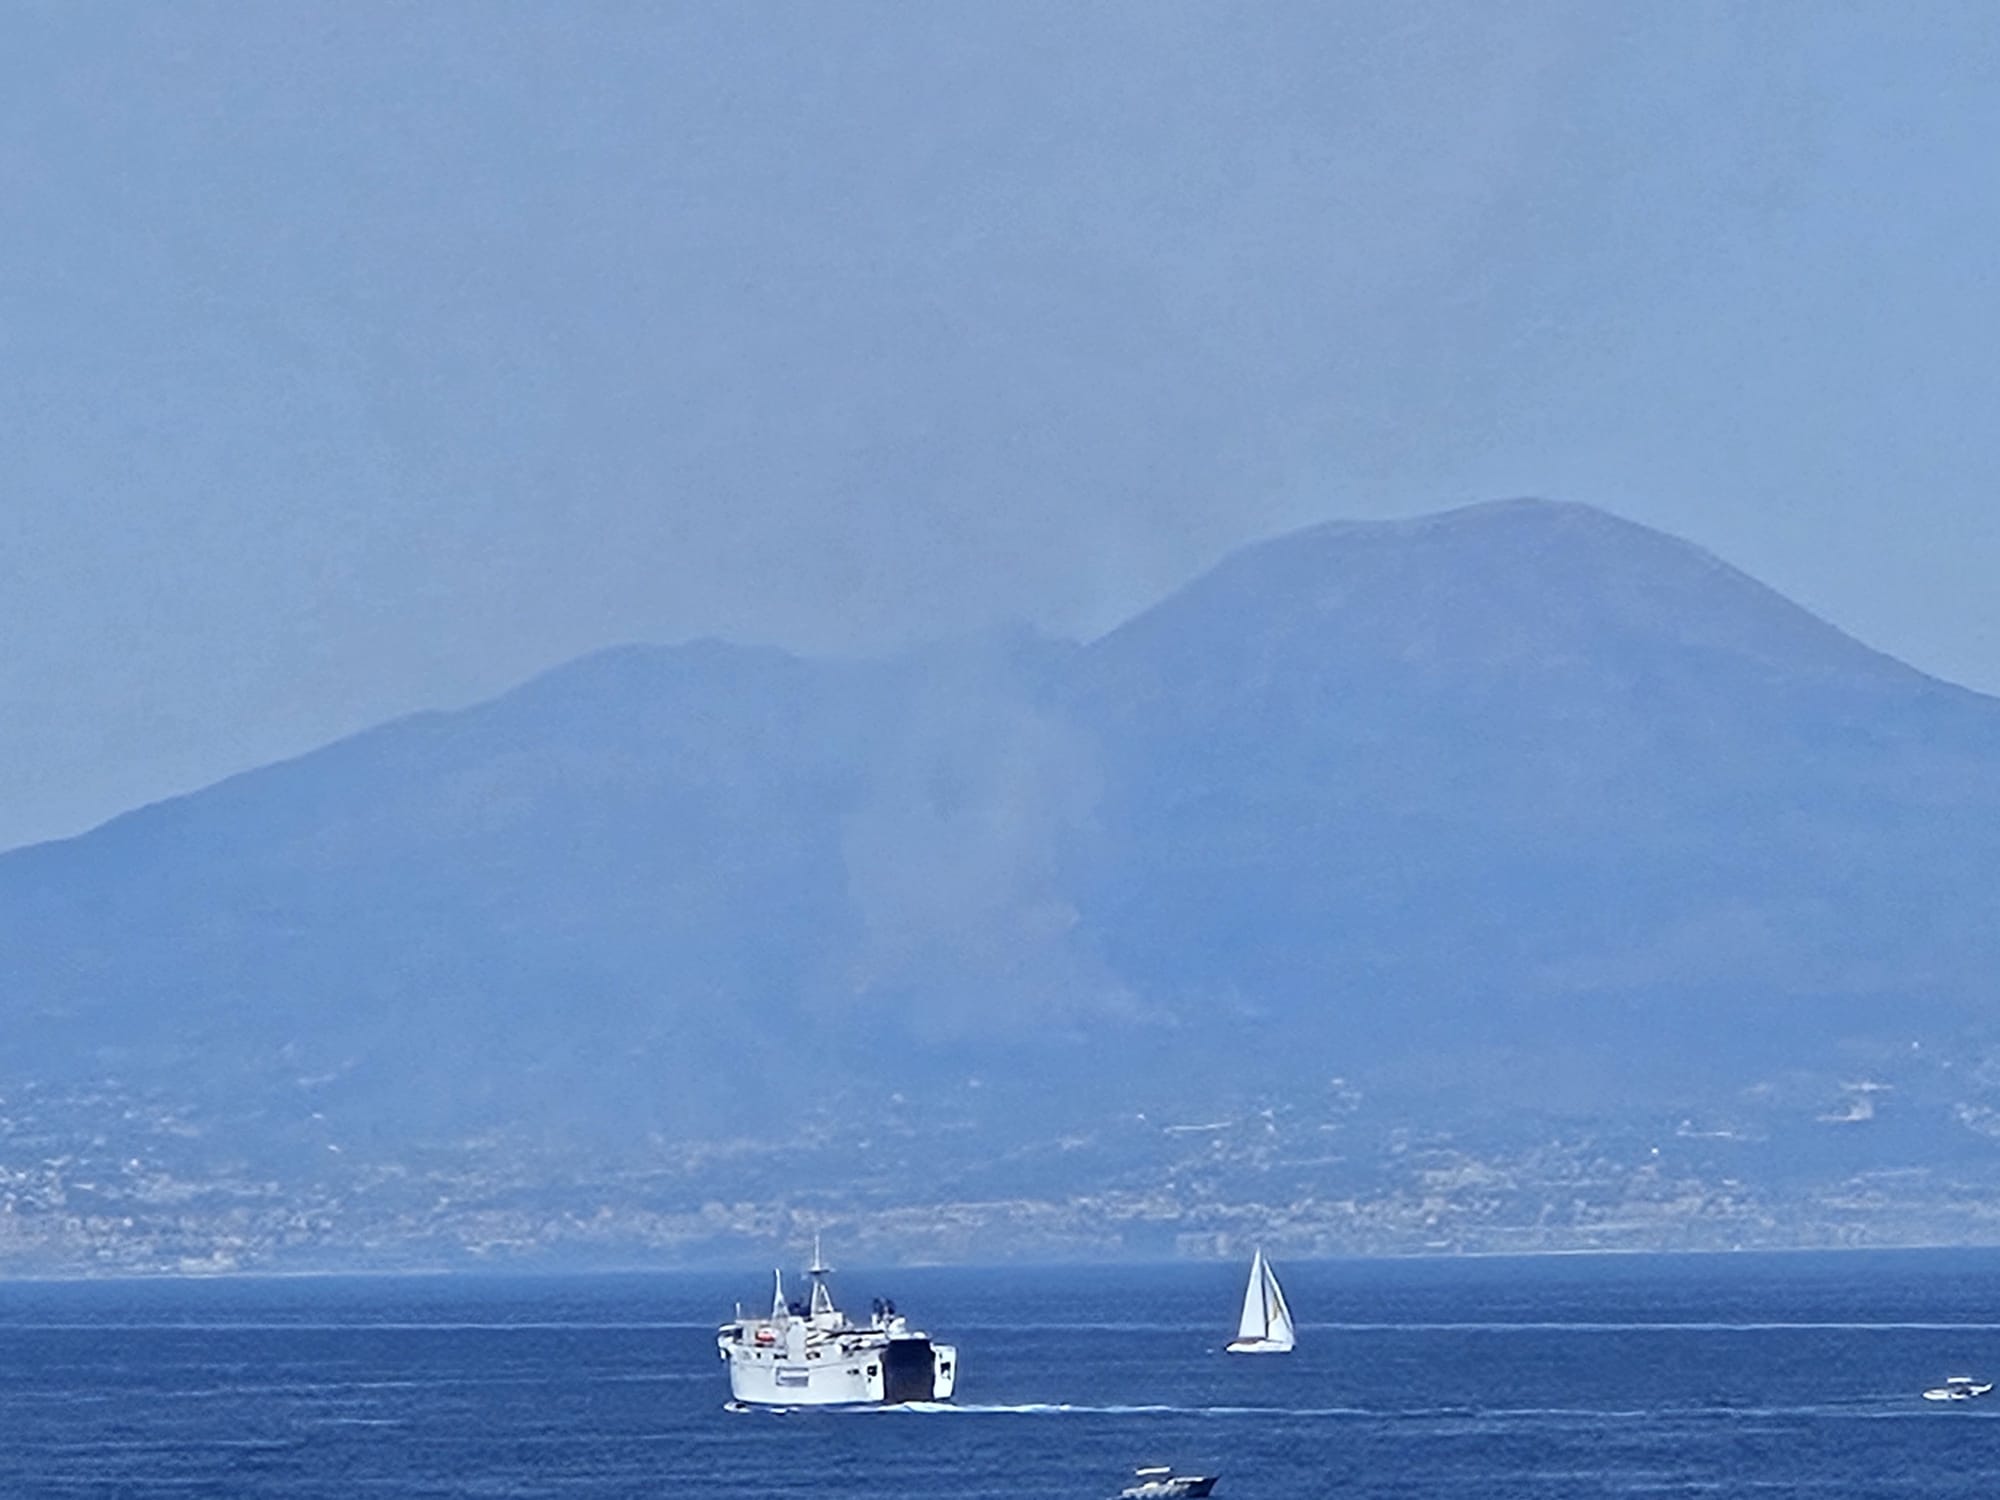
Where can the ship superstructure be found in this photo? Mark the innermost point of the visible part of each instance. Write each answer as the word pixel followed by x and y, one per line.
pixel 810 1353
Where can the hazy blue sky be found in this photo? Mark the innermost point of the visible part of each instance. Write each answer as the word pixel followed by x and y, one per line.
pixel 355 358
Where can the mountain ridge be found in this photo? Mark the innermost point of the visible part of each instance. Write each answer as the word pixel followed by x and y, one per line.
pixel 1621 562
pixel 1520 817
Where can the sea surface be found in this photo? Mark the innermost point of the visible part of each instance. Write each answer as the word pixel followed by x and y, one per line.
pixel 1743 1375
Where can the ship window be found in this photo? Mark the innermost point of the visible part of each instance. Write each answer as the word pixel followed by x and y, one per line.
pixel 874 1369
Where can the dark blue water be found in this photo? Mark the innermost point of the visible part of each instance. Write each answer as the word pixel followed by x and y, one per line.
pixel 1741 1375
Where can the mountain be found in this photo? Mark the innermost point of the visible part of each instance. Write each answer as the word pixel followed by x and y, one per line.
pixel 1380 852
pixel 1524 773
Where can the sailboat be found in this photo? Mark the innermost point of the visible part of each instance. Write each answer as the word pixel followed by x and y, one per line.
pixel 1266 1327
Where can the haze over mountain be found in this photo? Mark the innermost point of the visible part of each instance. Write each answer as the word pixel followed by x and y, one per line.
pixel 1517 822
pixel 366 357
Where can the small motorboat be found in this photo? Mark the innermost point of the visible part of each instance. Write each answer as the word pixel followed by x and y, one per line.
pixel 1958 1388
pixel 1160 1482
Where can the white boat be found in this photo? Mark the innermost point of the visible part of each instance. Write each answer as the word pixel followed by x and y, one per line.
pixel 810 1353
pixel 1266 1326
pixel 1958 1388
pixel 1160 1482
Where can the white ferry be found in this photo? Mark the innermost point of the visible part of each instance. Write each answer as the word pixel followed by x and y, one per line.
pixel 810 1353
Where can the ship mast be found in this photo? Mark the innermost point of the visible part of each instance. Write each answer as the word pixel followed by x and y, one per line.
pixel 822 1299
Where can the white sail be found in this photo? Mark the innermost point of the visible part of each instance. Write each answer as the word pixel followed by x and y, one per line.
pixel 1256 1316
pixel 1277 1316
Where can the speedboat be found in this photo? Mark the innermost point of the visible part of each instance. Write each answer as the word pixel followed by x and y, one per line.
pixel 1160 1482
pixel 1958 1388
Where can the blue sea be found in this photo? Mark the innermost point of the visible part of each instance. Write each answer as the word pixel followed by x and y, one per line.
pixel 1726 1375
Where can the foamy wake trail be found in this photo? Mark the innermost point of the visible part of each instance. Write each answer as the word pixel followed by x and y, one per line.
pixel 1068 1408
pixel 1482 1416
pixel 1024 1408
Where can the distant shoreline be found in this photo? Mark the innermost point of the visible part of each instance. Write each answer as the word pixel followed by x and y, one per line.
pixel 496 1273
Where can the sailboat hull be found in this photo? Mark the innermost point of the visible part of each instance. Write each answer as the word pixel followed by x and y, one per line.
pixel 1256 1346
